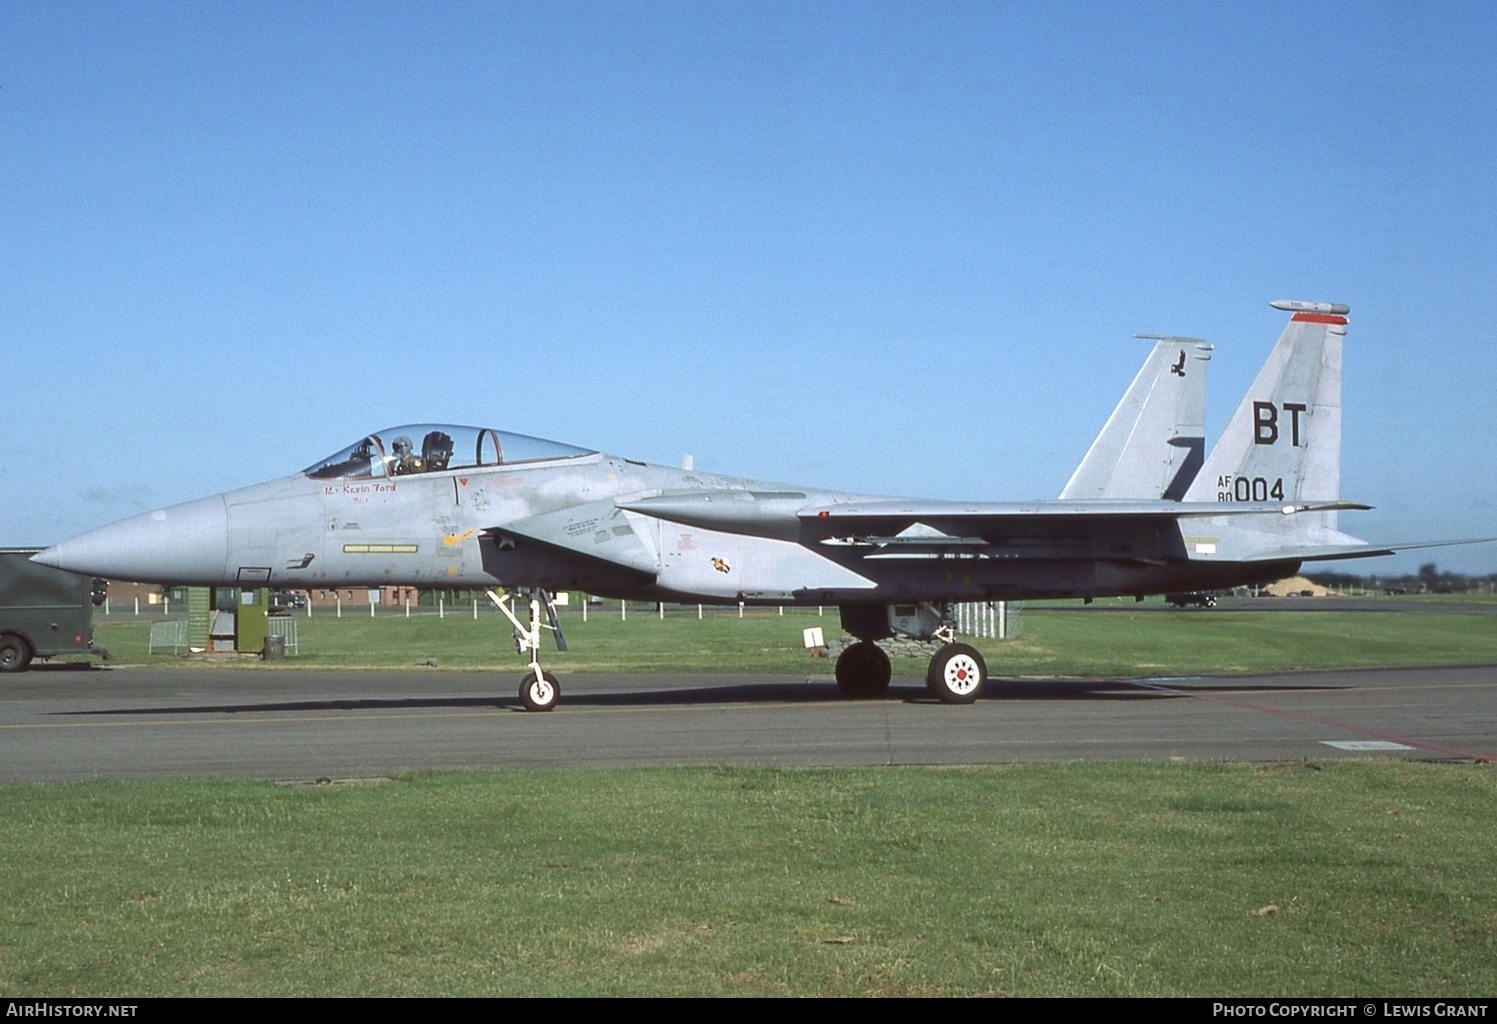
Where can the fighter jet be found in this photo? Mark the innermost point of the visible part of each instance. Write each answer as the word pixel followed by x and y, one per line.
pixel 455 506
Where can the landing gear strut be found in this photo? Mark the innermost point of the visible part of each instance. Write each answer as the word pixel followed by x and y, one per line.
pixel 863 671
pixel 538 688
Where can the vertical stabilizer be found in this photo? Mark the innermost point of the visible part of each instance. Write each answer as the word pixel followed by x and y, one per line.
pixel 1284 441
pixel 1154 442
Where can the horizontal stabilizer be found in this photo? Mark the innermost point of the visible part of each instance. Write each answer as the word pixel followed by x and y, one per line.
pixel 1311 552
pixel 1327 553
pixel 1374 550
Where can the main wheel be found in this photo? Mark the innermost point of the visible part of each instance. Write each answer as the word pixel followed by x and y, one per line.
pixel 863 671
pixel 539 694
pixel 15 654
pixel 956 674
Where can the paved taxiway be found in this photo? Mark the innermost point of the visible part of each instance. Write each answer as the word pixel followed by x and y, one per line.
pixel 76 723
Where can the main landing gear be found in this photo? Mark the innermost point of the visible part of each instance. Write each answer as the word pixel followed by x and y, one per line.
pixel 863 671
pixel 538 688
pixel 956 673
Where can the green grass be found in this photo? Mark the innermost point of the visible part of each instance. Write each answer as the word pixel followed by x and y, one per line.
pixel 1128 643
pixel 1119 640
pixel 1034 880
pixel 1049 879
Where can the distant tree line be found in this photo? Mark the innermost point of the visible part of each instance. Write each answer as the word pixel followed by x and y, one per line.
pixel 1428 580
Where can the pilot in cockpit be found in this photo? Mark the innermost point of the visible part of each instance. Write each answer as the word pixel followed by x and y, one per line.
pixel 436 450
pixel 406 460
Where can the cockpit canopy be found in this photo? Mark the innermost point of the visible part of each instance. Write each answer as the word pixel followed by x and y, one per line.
pixel 435 448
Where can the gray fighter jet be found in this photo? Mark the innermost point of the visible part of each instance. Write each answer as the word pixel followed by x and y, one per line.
pixel 451 506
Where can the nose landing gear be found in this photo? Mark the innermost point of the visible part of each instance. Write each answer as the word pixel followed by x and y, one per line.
pixel 538 688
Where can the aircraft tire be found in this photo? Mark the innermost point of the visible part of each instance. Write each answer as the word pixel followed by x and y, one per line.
pixel 863 671
pixel 539 694
pixel 15 653
pixel 956 674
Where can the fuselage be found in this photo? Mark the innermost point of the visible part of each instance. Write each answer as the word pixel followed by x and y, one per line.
pixel 562 519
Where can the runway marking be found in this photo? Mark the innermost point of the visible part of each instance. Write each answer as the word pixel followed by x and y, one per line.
pixel 1408 741
pixel 1366 745
pixel 244 718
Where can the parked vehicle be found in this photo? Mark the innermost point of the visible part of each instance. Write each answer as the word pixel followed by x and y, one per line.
pixel 285 601
pixel 44 612
pixel 1195 599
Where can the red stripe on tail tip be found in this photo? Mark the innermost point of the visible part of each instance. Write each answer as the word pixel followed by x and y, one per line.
pixel 1318 318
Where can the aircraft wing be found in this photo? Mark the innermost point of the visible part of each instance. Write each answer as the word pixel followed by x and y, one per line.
pixel 1116 529
pixel 1062 510
pixel 786 514
pixel 1111 529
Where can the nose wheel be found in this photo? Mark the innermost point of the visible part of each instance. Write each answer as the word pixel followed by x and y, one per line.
pixel 539 692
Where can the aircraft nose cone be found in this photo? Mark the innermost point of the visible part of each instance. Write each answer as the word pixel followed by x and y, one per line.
pixel 185 543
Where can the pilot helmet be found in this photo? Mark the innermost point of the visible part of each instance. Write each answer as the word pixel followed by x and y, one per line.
pixel 403 446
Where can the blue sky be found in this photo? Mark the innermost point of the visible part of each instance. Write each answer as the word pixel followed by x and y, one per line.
pixel 883 247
